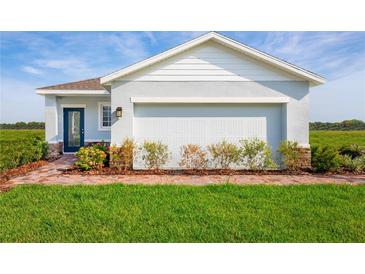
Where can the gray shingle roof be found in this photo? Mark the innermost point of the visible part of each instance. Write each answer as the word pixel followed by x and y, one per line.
pixel 89 84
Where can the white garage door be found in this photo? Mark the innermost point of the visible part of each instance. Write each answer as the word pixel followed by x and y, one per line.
pixel 203 124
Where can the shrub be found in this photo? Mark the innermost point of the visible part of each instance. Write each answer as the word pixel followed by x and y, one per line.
pixel 90 158
pixel 193 157
pixel 40 149
pixel 353 164
pixel 352 150
pixel 325 158
pixel 256 154
pixel 104 147
pixel 361 162
pixel 122 156
pixel 224 154
pixel 17 153
pixel 154 154
pixel 290 154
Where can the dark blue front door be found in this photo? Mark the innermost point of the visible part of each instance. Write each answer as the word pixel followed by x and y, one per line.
pixel 73 129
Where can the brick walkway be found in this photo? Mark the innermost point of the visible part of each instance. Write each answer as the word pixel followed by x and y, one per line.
pixel 51 174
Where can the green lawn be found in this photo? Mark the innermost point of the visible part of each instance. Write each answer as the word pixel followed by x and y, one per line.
pixel 337 138
pixel 225 213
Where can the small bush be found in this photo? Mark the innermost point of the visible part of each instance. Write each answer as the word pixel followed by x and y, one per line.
pixel 90 158
pixel 325 158
pixel 353 150
pixel 41 147
pixel 104 147
pixel 353 164
pixel 290 154
pixel 154 154
pixel 361 162
pixel 193 157
pixel 256 154
pixel 224 154
pixel 122 156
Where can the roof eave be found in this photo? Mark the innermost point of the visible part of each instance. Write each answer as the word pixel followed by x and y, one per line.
pixel 64 92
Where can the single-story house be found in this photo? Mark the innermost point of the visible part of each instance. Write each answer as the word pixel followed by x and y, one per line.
pixel 203 91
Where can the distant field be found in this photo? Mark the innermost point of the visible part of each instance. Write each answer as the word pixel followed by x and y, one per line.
pixel 337 138
pixel 20 134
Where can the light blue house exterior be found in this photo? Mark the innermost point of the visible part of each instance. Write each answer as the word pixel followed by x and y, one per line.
pixel 203 91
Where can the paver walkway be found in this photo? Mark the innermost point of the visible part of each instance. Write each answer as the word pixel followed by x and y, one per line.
pixel 51 174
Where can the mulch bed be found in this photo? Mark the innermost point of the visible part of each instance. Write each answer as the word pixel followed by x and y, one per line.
pixel 19 171
pixel 228 172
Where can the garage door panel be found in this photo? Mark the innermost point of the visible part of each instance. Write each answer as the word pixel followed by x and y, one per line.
pixel 176 132
pixel 170 126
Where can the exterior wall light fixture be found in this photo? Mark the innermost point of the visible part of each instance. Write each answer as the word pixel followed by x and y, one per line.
pixel 119 112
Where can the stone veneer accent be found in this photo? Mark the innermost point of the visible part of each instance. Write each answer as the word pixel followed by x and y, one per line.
pixel 54 150
pixel 305 157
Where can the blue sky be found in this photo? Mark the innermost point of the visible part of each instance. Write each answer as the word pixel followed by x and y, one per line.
pixel 35 59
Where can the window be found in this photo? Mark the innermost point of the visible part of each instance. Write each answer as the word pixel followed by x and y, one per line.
pixel 105 116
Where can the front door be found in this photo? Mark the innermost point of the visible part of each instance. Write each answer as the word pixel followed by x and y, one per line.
pixel 73 125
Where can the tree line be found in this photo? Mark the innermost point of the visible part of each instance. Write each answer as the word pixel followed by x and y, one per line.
pixel 23 125
pixel 344 125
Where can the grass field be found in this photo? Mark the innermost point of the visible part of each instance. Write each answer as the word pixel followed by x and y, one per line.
pixel 337 138
pixel 225 213
pixel 20 134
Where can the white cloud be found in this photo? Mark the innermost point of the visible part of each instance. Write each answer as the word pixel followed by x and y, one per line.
pixel 327 53
pixel 60 63
pixel 129 45
pixel 151 37
pixel 32 70
pixel 69 66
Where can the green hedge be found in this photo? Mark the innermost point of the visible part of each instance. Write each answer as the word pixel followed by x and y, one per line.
pixel 17 153
pixel 332 158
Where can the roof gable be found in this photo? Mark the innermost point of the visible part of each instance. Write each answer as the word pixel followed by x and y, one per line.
pixel 303 74
pixel 210 61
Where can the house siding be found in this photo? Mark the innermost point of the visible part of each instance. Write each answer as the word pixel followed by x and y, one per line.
pixel 294 118
pixel 210 62
pixel 54 117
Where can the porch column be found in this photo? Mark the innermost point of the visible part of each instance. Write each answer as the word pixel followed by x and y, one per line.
pixel 51 119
